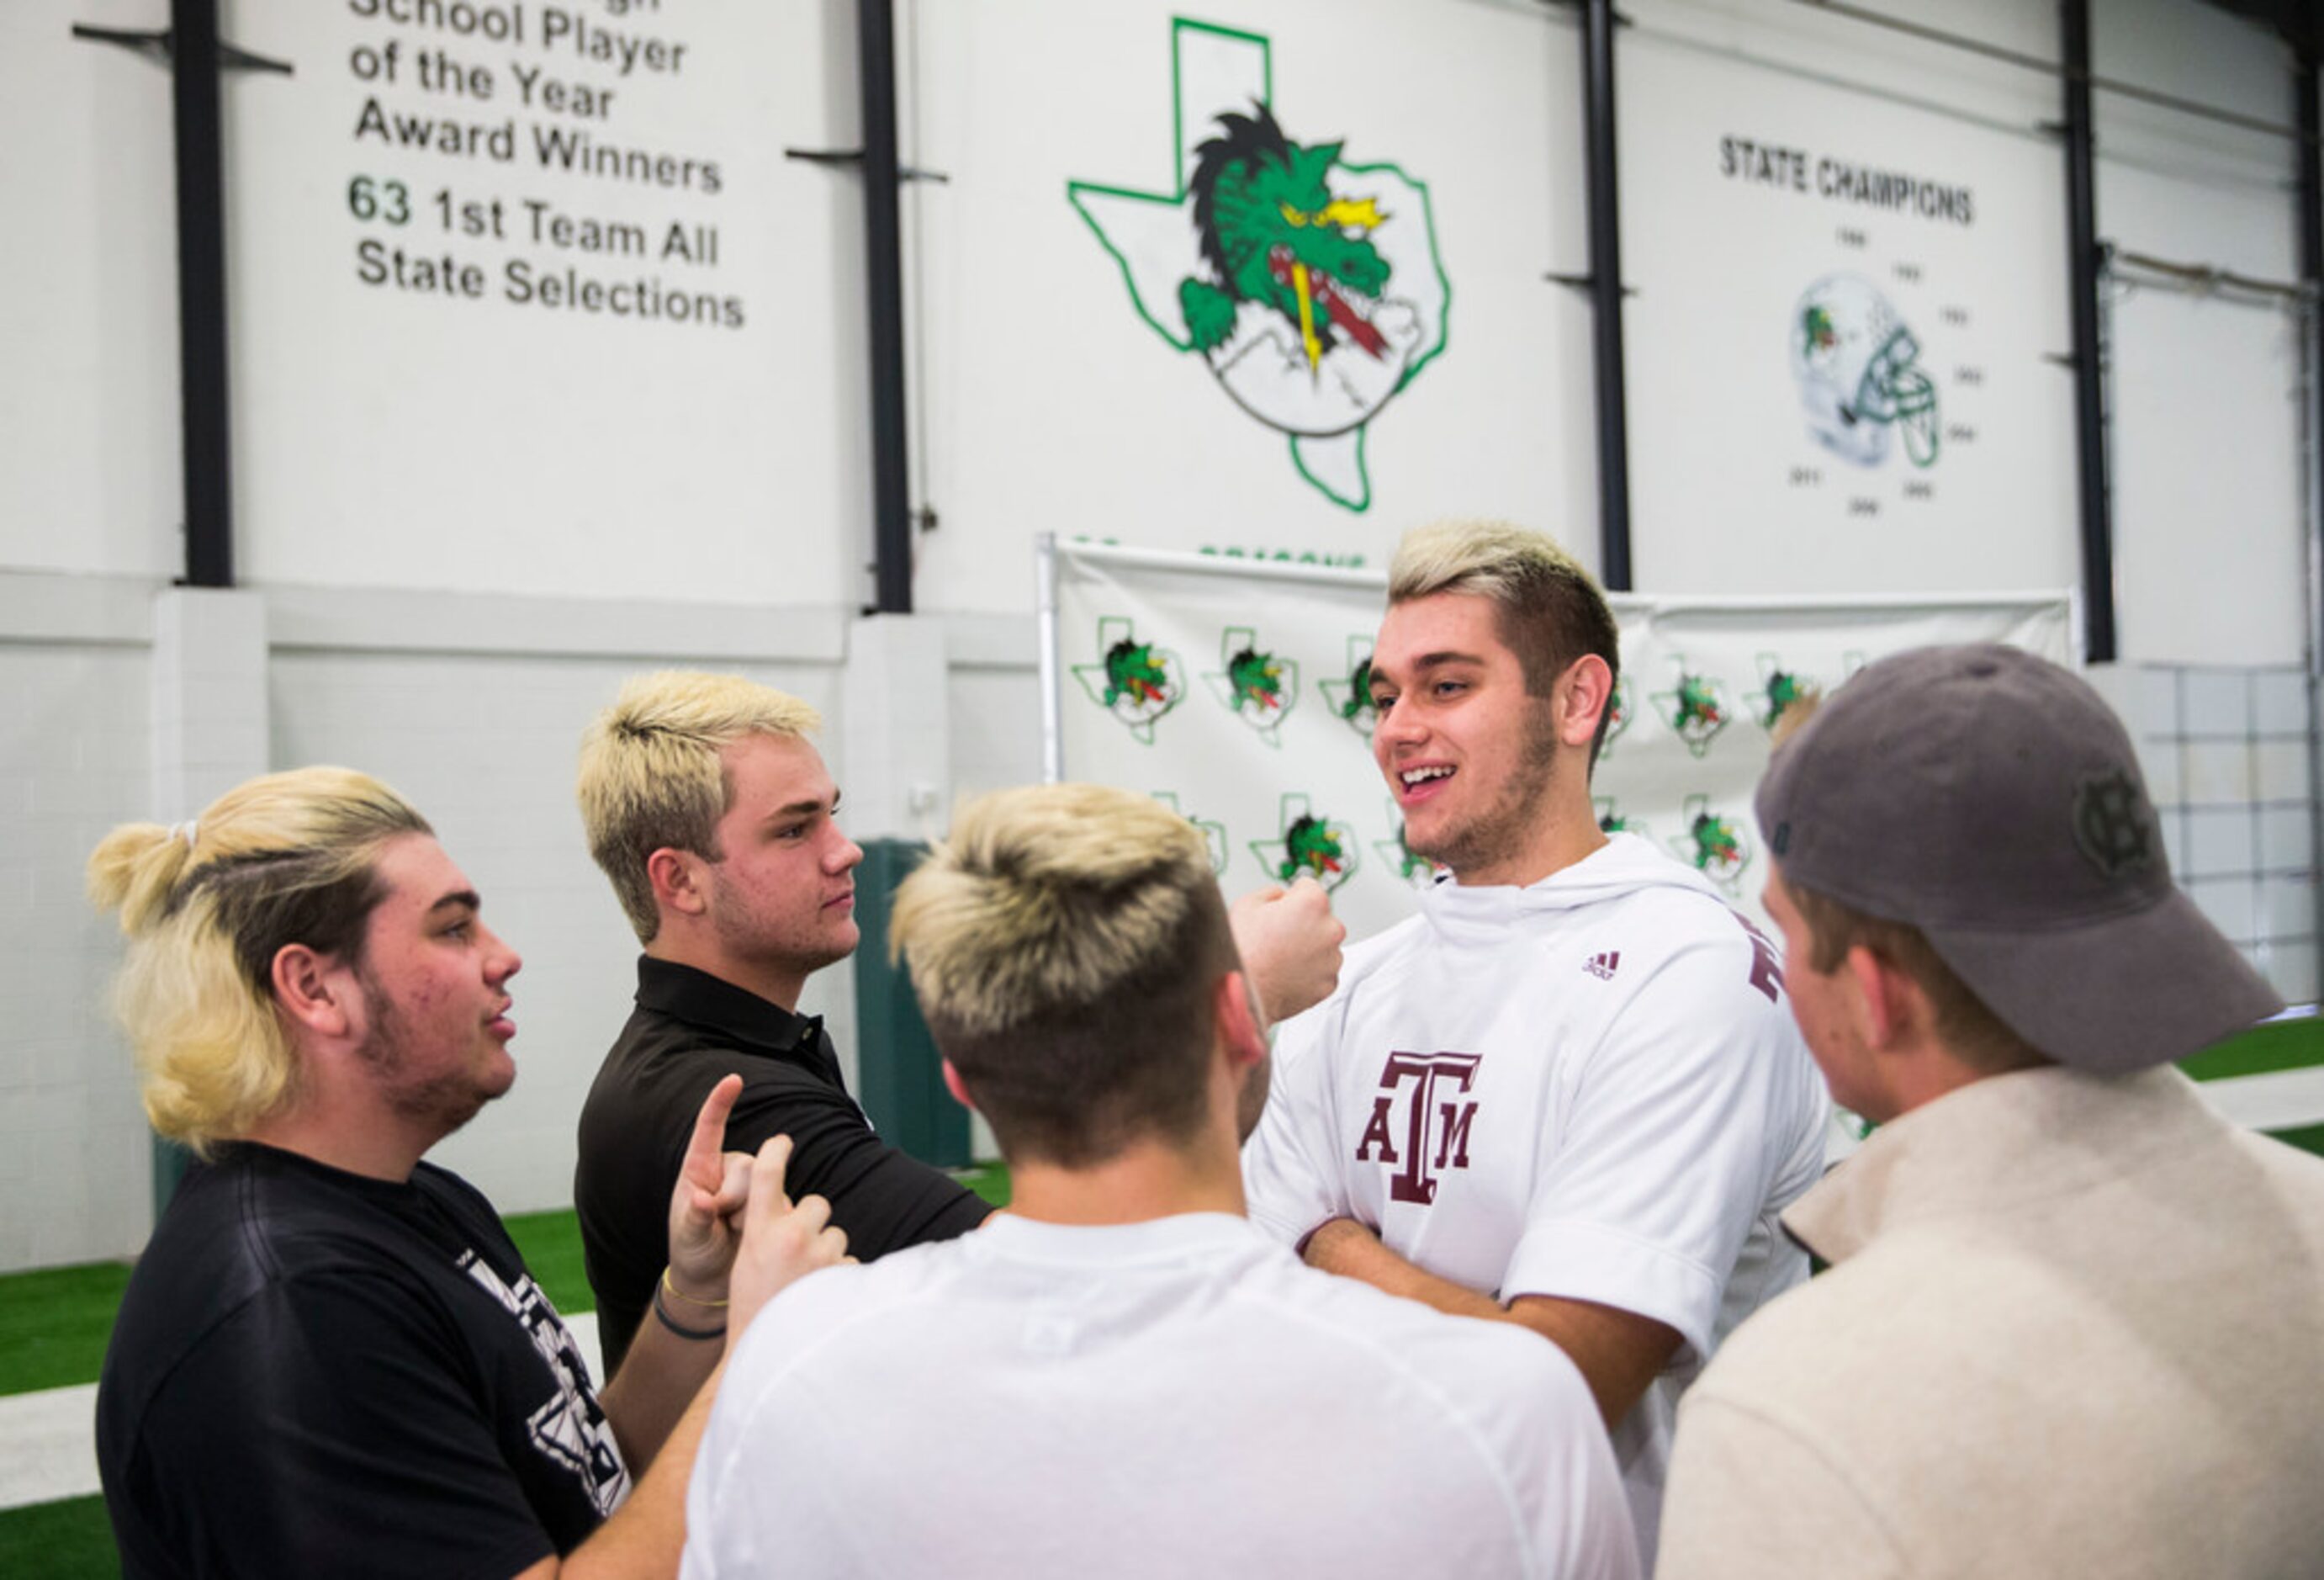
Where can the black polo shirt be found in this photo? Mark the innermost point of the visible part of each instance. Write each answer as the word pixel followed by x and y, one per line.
pixel 689 1030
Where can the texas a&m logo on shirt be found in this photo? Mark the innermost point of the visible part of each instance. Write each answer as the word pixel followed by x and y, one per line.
pixel 1420 1126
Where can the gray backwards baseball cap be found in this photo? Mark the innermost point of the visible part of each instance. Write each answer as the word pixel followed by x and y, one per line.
pixel 1991 799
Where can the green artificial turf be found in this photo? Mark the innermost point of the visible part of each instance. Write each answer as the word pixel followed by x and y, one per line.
pixel 66 1541
pixel 54 1325
pixel 989 1181
pixel 551 1246
pixel 2309 1139
pixel 2277 1045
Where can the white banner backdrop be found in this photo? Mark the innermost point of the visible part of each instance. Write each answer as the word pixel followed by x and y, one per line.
pixel 1239 694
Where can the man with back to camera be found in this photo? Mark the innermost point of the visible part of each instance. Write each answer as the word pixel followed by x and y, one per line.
pixel 331 1359
pixel 711 812
pixel 1119 1375
pixel 1566 1095
pixel 2072 1320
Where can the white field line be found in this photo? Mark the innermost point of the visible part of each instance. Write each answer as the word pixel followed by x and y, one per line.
pixel 48 1440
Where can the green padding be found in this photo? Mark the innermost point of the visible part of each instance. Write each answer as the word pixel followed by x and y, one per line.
pixel 171 1162
pixel 900 1077
pixel 2279 1045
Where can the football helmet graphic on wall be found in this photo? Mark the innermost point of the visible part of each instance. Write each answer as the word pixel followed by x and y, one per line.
pixel 1855 361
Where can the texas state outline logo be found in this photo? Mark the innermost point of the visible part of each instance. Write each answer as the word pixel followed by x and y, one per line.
pixel 1309 285
pixel 1714 846
pixel 1349 695
pixel 1136 681
pixel 1415 872
pixel 1612 819
pixel 1308 846
pixel 1696 708
pixel 1618 716
pixel 1214 834
pixel 1781 689
pixel 1257 686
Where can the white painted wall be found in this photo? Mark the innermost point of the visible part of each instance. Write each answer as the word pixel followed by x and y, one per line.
pixel 89 463
pixel 74 1152
pixel 2208 507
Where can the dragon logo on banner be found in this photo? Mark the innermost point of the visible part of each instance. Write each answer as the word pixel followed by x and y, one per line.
pixel 1136 681
pixel 1308 285
pixel 1350 697
pixel 1712 845
pixel 1214 834
pixel 1416 871
pixel 1309 847
pixel 1259 686
pixel 1696 708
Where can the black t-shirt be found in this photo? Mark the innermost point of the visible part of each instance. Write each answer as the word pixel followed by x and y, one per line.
pixel 689 1030
pixel 314 1372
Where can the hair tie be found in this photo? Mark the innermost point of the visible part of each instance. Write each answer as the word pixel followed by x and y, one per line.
pixel 185 831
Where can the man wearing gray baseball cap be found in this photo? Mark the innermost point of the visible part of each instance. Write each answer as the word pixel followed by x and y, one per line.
pixel 2074 1322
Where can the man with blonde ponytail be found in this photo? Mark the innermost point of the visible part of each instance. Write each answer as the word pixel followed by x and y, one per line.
pixel 1150 1386
pixel 331 1359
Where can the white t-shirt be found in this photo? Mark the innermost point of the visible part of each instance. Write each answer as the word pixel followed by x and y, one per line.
pixel 1178 1397
pixel 1590 1088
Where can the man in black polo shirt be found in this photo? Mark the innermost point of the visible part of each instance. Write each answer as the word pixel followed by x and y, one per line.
pixel 713 815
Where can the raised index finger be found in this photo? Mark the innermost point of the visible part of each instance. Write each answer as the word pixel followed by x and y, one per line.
pixel 704 1165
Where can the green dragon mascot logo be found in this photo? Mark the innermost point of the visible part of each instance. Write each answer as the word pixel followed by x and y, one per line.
pixel 1712 845
pixel 1136 681
pixel 1308 285
pixel 1696 709
pixel 1309 847
pixel 1272 233
pixel 1417 872
pixel 1350 697
pixel 1258 687
pixel 1781 689
pixel 1612 819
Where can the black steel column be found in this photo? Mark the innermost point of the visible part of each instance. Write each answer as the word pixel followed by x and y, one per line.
pixel 2099 641
pixel 2311 271
pixel 1606 295
pixel 2312 347
pixel 891 527
pixel 203 421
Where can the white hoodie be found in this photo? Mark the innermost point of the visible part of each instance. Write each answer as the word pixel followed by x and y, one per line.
pixel 1588 1088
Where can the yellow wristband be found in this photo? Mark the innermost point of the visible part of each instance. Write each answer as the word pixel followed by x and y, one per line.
pixel 678 1294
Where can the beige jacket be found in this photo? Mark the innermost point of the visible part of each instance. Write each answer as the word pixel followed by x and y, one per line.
pixel 2074 1326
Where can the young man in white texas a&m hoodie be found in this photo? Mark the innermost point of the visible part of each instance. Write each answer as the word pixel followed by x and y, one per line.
pixel 1569 1094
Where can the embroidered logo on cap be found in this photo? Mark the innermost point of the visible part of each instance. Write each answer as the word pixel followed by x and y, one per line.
pixel 2113 825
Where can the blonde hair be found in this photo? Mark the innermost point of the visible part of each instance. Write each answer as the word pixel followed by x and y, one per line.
pixel 651 775
pixel 1551 612
pixel 1065 942
pixel 288 858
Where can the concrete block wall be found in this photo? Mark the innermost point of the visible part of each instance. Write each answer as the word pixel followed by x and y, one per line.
pixel 74 760
pixel 2226 755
